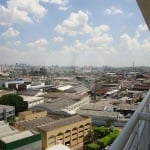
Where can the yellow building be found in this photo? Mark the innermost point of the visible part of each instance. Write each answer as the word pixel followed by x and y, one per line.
pixel 69 131
pixel 30 120
pixel 31 115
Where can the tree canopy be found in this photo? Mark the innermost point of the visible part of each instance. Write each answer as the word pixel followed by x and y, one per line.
pixel 14 100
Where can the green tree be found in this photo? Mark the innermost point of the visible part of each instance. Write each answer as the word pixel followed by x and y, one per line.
pixel 14 100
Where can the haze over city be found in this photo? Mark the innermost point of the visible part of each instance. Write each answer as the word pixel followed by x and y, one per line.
pixel 73 32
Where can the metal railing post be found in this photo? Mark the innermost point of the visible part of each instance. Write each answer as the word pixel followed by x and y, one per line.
pixel 127 132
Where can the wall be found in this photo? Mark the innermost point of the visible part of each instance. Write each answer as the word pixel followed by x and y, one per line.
pixel 71 135
pixel 30 115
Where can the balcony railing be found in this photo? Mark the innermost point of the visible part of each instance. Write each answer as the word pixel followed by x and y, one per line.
pixel 136 133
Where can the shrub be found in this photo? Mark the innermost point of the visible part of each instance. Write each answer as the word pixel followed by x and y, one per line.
pixel 14 100
pixel 92 146
pixel 101 131
pixel 107 140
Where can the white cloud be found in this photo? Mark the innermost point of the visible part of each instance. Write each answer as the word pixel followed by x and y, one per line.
pixel 17 43
pixel 17 11
pixel 32 7
pixel 77 23
pixel 33 56
pixel 146 45
pixel 142 27
pixel 10 16
pixel 130 14
pixel 59 2
pixel 63 8
pixel 97 42
pixel 82 53
pixel 77 47
pixel 129 43
pixel 99 29
pixel 100 40
pixel 45 1
pixel 38 43
pixel 11 32
pixel 113 11
pixel 58 39
pixel 12 43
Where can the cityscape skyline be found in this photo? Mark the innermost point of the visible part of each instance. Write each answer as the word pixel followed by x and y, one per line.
pixel 73 33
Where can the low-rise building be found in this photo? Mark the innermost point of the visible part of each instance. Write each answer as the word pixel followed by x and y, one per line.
pixel 7 112
pixel 31 115
pixel 30 120
pixel 11 138
pixel 97 111
pixel 70 131
pixel 66 105
pixel 32 100
pixel 12 84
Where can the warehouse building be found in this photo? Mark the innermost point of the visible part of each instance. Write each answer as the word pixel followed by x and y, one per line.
pixel 7 112
pixel 12 139
pixel 69 131
pixel 32 100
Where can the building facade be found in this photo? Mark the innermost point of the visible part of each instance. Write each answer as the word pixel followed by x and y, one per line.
pixel 69 131
pixel 31 115
pixel 32 100
pixel 7 112
pixel 12 139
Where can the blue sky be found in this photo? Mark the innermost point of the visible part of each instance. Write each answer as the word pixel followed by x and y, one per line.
pixel 73 32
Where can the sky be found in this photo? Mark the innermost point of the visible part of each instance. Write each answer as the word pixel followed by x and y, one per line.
pixel 73 32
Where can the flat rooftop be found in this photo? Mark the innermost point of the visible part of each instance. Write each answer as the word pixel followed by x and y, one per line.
pixel 17 136
pixel 98 106
pixel 31 98
pixel 101 114
pixel 127 107
pixel 55 95
pixel 58 147
pixel 56 105
pixel 6 107
pixel 5 130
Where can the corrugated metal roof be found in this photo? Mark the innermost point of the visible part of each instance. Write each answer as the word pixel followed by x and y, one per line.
pixel 17 136
pixel 61 123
